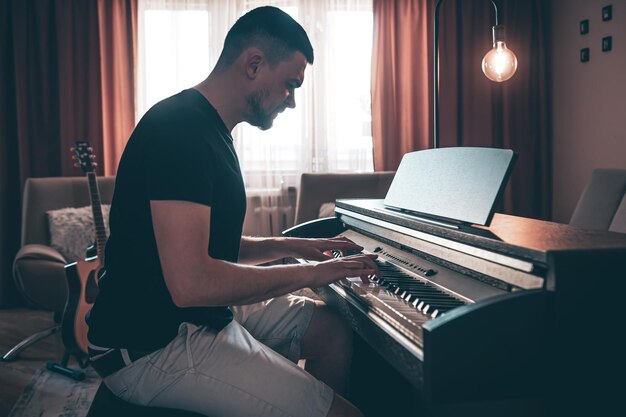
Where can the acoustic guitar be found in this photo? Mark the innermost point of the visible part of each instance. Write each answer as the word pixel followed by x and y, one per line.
pixel 83 275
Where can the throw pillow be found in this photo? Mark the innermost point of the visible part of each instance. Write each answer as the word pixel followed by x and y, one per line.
pixel 72 230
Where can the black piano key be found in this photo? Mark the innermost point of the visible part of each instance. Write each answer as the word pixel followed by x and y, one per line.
pixel 405 280
pixel 438 302
pixel 421 289
pixel 435 297
pixel 430 294
pixel 442 305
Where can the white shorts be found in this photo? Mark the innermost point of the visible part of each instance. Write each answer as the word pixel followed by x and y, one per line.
pixel 249 368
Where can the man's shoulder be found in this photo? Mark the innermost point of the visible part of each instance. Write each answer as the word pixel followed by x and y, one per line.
pixel 182 105
pixel 183 121
pixel 176 116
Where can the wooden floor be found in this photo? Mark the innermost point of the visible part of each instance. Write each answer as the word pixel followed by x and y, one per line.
pixel 15 325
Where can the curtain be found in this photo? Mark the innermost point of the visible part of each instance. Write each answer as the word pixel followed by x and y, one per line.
pixel 473 111
pixel 51 94
pixel 401 80
pixel 179 42
pixel 118 43
pixel 9 169
pixel 330 129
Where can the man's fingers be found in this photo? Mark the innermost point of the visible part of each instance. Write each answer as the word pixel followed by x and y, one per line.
pixel 343 243
pixel 356 266
pixel 340 239
pixel 367 259
pixel 361 268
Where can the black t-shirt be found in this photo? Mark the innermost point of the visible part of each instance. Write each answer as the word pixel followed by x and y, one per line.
pixel 180 150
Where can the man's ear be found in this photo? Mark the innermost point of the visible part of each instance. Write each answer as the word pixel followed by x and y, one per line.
pixel 254 62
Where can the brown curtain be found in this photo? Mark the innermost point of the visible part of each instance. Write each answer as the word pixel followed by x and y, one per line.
pixel 473 111
pixel 401 80
pixel 118 45
pixel 51 94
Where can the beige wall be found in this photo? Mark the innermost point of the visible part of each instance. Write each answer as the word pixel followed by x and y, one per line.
pixel 588 99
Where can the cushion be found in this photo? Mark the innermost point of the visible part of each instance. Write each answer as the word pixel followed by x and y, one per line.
pixel 72 230
pixel 327 210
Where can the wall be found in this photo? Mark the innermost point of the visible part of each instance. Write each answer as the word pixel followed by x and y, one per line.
pixel 588 99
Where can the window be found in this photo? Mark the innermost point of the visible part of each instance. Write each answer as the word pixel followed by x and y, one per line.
pixel 330 128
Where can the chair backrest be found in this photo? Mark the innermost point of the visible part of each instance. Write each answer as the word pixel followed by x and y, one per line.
pixel 602 204
pixel 319 188
pixel 44 194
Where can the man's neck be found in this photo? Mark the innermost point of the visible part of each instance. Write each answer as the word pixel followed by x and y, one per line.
pixel 228 104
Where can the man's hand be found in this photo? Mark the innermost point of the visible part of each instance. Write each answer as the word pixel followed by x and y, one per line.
pixel 319 249
pixel 361 265
pixel 332 269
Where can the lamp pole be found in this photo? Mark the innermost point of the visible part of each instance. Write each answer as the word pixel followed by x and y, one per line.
pixel 499 64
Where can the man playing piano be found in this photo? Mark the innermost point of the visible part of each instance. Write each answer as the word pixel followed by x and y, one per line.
pixel 184 319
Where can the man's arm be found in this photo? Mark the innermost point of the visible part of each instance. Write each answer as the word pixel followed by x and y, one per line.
pixel 258 250
pixel 193 278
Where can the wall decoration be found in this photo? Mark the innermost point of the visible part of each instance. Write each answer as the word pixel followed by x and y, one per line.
pixel 584 27
pixel 607 13
pixel 584 55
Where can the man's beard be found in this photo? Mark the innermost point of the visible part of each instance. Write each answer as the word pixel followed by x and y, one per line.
pixel 257 115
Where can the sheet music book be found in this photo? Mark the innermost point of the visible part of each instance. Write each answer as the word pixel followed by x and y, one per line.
pixel 457 184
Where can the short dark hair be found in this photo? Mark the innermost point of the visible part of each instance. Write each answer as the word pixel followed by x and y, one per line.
pixel 271 30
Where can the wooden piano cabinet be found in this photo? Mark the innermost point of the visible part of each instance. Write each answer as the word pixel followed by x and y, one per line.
pixel 548 343
pixel 491 350
pixel 587 372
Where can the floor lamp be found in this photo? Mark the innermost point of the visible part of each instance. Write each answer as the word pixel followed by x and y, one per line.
pixel 499 63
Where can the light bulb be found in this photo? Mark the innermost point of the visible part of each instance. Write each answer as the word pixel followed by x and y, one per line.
pixel 500 63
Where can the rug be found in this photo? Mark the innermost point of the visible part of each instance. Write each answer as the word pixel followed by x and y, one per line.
pixel 49 394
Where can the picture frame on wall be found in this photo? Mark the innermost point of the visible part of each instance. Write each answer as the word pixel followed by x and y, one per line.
pixel 584 55
pixel 607 13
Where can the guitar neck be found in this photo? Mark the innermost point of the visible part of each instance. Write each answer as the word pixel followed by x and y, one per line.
pixel 96 207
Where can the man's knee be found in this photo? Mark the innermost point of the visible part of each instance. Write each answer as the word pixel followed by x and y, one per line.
pixel 334 325
pixel 327 330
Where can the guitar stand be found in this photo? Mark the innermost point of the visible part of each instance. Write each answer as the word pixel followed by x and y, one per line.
pixel 63 369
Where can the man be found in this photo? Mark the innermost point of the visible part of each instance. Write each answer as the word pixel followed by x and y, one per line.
pixel 160 332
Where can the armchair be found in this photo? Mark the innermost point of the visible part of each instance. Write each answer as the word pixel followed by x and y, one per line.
pixel 38 268
pixel 602 204
pixel 319 189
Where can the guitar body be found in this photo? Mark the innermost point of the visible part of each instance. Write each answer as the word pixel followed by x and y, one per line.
pixel 82 283
pixel 82 276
